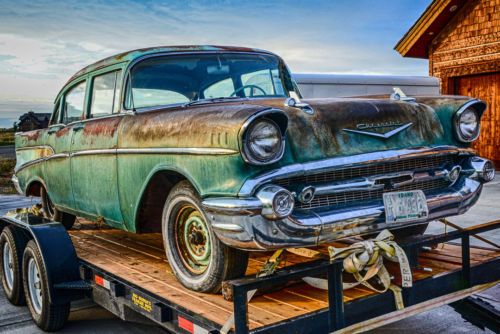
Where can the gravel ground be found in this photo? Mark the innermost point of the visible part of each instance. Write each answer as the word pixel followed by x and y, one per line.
pixel 87 317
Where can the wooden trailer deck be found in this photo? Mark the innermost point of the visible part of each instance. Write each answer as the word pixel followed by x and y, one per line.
pixel 140 260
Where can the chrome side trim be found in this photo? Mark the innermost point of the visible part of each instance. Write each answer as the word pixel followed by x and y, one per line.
pixel 319 166
pixel 15 181
pixel 58 156
pixel 168 150
pixel 29 163
pixel 93 152
pixel 178 150
pixel 37 147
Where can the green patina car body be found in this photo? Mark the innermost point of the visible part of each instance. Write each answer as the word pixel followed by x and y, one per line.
pixel 121 167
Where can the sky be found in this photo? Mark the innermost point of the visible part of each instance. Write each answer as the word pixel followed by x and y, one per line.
pixel 43 43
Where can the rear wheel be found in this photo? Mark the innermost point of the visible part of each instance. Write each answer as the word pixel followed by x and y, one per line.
pixel 12 243
pixel 200 261
pixel 51 212
pixel 47 315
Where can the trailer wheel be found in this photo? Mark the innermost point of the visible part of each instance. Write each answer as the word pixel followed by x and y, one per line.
pixel 12 243
pixel 47 315
pixel 50 211
pixel 199 260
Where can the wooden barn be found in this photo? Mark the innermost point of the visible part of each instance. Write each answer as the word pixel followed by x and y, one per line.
pixel 461 39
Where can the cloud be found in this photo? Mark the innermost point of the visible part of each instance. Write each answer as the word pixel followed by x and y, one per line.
pixel 42 43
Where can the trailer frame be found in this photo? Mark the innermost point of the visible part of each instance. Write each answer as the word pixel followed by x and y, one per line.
pixel 72 278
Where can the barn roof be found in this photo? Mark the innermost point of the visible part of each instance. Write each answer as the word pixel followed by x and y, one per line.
pixel 415 43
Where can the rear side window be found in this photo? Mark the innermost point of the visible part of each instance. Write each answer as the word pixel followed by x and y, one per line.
pixel 106 94
pixel 74 103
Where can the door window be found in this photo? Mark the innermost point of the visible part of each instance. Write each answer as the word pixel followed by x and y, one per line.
pixel 106 94
pixel 74 103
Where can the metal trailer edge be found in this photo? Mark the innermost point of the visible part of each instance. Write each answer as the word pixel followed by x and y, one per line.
pixel 71 278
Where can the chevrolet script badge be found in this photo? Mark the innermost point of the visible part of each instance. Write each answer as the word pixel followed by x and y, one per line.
pixel 379 130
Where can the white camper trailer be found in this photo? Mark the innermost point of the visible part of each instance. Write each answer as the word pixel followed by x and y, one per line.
pixel 319 85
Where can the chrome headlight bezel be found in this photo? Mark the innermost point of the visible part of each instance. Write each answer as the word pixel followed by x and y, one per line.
pixel 271 117
pixel 474 107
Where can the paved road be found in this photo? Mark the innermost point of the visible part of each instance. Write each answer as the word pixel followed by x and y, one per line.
pixel 7 152
pixel 86 317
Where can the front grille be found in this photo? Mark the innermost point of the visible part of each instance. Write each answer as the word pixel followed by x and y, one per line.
pixel 413 164
pixel 427 163
pixel 346 198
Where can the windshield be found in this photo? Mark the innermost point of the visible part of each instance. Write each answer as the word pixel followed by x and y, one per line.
pixel 165 80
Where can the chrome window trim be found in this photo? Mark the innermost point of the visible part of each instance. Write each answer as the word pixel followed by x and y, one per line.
pixel 250 185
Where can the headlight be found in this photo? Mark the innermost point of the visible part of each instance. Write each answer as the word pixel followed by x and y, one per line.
pixel 467 125
pixel 263 142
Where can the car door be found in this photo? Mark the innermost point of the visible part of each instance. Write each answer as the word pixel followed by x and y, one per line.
pixel 93 151
pixel 57 171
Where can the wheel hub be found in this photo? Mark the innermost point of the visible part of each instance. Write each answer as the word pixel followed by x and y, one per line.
pixel 8 265
pixel 35 286
pixel 193 239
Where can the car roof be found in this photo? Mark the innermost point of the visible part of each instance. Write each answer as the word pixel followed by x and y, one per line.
pixel 130 56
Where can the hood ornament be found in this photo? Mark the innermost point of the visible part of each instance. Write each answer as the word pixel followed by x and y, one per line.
pixel 399 95
pixel 377 129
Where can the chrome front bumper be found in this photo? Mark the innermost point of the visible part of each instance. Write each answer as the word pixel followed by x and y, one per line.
pixel 240 221
pixel 239 225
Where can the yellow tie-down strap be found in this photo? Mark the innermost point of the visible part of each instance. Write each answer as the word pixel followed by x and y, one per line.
pixel 365 260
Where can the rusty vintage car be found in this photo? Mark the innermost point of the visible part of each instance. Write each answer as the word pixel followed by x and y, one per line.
pixel 215 148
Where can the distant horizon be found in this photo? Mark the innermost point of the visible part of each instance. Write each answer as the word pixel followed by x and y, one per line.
pixel 43 43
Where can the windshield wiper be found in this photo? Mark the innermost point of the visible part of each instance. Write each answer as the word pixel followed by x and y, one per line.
pixel 212 100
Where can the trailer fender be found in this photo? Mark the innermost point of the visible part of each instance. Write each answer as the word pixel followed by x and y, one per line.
pixel 58 254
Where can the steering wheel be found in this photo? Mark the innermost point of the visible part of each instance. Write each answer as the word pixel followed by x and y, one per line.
pixel 251 91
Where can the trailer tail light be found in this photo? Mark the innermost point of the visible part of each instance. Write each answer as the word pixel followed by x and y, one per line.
pixel 101 281
pixel 189 326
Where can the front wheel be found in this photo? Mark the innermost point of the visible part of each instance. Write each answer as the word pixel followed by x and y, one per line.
pixel 199 260
pixel 52 213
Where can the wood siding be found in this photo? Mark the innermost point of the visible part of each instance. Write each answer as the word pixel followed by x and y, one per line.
pixel 486 87
pixel 465 55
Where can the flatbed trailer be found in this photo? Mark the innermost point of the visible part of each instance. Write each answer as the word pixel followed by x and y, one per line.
pixel 128 274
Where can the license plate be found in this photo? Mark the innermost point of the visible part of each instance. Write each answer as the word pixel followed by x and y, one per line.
pixel 405 206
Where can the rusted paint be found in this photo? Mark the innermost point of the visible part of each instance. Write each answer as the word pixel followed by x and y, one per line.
pixel 63 132
pixel 102 127
pixel 31 135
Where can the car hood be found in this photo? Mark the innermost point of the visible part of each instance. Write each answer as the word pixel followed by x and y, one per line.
pixel 347 126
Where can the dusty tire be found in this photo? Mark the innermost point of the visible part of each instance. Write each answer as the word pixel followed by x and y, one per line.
pixel 47 315
pixel 199 260
pixel 12 244
pixel 50 212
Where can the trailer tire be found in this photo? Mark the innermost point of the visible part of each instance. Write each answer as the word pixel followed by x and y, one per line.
pixel 12 244
pixel 199 260
pixel 52 213
pixel 46 314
